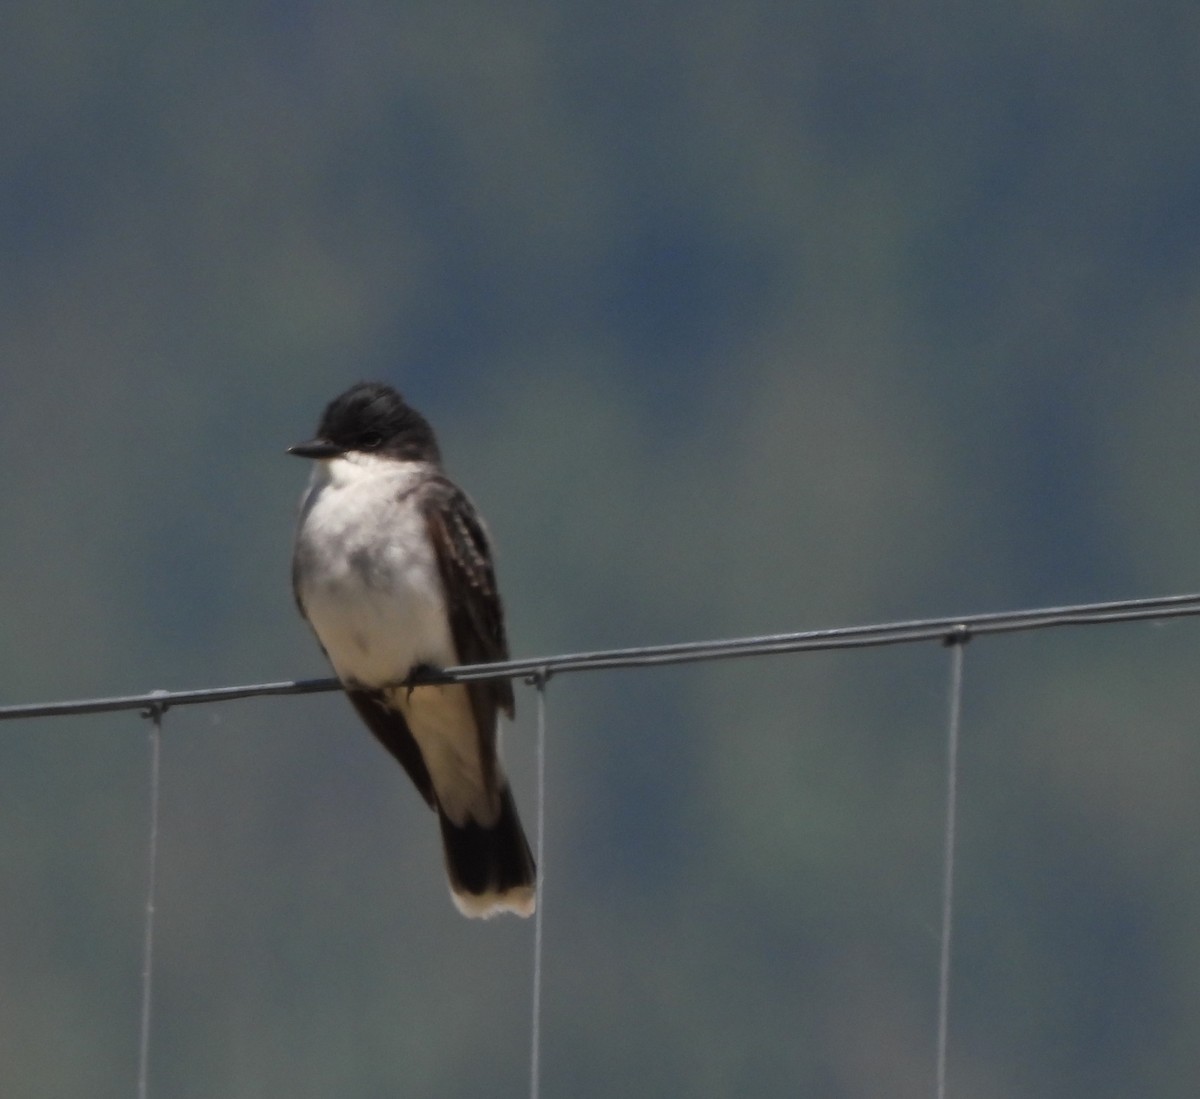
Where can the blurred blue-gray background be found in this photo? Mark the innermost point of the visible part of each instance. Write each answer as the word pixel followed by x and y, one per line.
pixel 733 318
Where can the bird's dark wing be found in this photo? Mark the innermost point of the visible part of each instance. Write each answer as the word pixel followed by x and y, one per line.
pixel 464 558
pixel 391 730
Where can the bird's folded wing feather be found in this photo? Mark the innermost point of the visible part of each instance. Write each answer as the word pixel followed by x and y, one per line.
pixel 464 560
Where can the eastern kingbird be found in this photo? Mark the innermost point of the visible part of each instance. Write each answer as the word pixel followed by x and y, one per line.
pixel 393 570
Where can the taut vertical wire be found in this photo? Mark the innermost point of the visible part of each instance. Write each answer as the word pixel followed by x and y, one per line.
pixel 539 681
pixel 155 714
pixel 957 642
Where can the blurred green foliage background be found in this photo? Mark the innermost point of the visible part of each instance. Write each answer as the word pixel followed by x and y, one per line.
pixel 733 318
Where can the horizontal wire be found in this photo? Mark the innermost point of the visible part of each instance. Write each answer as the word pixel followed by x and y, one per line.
pixel 949 629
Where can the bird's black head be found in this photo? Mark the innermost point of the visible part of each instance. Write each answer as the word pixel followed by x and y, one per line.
pixel 371 418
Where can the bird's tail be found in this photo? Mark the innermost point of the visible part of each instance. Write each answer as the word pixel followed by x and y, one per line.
pixel 491 869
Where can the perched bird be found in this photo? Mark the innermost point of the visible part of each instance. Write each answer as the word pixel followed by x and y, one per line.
pixel 393 570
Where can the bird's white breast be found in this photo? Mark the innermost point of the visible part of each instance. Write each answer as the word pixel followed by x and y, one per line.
pixel 366 572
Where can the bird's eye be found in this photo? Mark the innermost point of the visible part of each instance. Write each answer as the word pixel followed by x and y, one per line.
pixel 371 441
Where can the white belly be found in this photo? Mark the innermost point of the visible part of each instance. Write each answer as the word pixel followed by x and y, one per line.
pixel 368 578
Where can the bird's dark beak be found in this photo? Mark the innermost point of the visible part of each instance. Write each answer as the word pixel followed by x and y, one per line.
pixel 316 448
